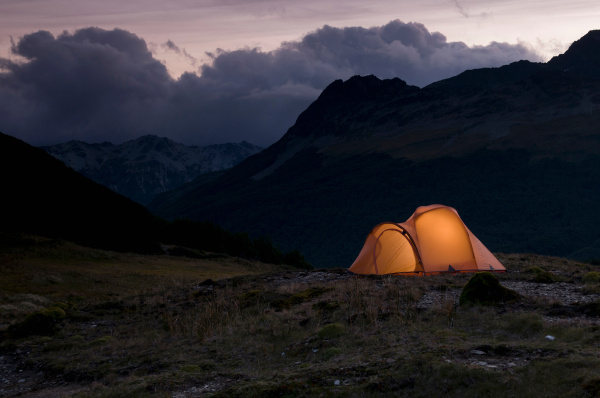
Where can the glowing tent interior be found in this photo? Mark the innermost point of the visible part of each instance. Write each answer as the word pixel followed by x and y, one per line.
pixel 433 240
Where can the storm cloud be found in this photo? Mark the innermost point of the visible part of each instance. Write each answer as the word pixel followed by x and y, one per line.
pixel 105 85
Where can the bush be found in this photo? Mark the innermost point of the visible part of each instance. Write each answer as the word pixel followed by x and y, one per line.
pixel 101 341
pixel 540 275
pixel 61 305
pixel 40 323
pixel 295 259
pixel 196 237
pixel 331 331
pixel 299 297
pixel 484 288
pixel 591 309
pixel 592 277
pixel 331 352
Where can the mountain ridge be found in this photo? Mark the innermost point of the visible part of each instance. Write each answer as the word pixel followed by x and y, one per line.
pixel 519 142
pixel 43 196
pixel 523 91
pixel 148 165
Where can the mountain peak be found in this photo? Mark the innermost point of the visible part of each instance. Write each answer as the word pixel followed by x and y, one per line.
pixel 141 168
pixel 152 142
pixel 370 149
pixel 359 96
pixel 361 88
pixel 582 58
pixel 151 138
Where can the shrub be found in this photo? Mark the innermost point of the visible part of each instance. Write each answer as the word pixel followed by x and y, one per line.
pixel 331 352
pixel 331 331
pixel 591 309
pixel 100 341
pixel 199 236
pixel 326 306
pixel 64 306
pixel 540 275
pixel 299 298
pixel 484 288
pixel 294 258
pixel 191 368
pixel 592 277
pixel 40 323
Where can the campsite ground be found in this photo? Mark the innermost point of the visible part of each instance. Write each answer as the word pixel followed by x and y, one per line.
pixel 156 326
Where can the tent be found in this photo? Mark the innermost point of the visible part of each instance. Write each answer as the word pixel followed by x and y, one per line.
pixel 433 240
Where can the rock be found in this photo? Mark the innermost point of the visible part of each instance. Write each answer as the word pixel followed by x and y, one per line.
pixel 485 288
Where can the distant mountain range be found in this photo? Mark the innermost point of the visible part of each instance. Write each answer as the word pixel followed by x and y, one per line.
pixel 42 196
pixel 515 149
pixel 142 168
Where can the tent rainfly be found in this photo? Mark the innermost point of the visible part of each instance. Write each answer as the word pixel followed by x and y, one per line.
pixel 433 240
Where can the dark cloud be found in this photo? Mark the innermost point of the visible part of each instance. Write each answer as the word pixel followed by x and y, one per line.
pixel 91 85
pixel 97 84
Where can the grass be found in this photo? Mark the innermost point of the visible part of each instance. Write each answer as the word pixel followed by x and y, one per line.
pixel 138 326
pixel 59 270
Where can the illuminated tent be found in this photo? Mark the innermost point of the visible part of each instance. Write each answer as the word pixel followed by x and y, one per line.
pixel 433 240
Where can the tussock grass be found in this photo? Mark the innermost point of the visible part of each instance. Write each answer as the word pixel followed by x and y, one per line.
pixel 592 278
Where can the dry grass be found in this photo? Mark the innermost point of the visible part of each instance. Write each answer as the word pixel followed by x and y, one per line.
pixel 52 268
pixel 285 335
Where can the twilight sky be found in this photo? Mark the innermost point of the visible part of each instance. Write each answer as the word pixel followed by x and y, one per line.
pixel 208 71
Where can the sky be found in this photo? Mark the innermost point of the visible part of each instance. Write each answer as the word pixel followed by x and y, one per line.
pixel 206 71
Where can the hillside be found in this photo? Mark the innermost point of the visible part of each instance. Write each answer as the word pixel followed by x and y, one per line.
pixel 142 168
pixel 45 197
pixel 514 149
pixel 50 199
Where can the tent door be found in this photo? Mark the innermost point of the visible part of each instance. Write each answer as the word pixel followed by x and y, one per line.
pixel 401 254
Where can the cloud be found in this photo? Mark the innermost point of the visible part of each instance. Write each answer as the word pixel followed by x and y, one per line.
pixel 96 84
pixel 179 51
pixel 460 8
pixel 87 85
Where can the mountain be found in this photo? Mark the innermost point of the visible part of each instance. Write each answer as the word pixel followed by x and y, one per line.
pixel 142 168
pixel 40 195
pixel 515 149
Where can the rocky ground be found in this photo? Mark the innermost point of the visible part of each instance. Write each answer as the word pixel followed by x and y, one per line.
pixel 19 378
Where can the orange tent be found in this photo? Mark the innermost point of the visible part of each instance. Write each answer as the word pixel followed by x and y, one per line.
pixel 433 240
